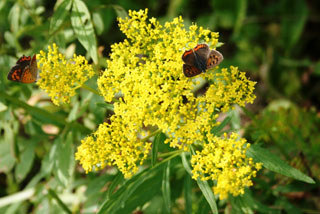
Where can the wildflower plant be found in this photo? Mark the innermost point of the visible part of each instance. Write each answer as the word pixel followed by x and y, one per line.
pixel 150 136
pixel 60 77
pixel 145 81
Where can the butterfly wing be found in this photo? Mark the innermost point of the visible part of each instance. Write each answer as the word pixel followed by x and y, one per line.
pixel 25 70
pixel 24 60
pixel 34 67
pixel 15 73
pixel 202 51
pixel 188 57
pixel 214 59
pixel 201 54
pixel 27 76
pixel 190 71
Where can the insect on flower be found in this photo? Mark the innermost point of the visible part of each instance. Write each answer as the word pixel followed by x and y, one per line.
pixel 199 59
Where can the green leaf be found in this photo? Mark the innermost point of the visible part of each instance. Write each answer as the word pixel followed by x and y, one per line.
pixel 59 15
pixel 188 193
pixel 239 206
pixel 98 23
pixel 203 185
pixel 127 191
pixel 73 113
pixel 159 138
pixel 64 160
pixel 166 188
pixel 117 181
pixel 185 163
pixel 241 11
pixel 293 22
pixel 275 164
pixel 83 27
pixel 122 13
pixel 43 115
pixel 208 194
pixel 62 205
pixel 217 129
pixel 3 107
pixel 27 157
pixel 106 105
pixel 7 160
pixel 246 204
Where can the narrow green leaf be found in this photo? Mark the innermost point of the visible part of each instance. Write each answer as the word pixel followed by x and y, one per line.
pixel 43 115
pixel 239 206
pixel 62 205
pixel 122 13
pixel 124 193
pixel 98 23
pixel 7 160
pixel 49 160
pixel 208 194
pixel 246 204
pixel 187 194
pixel 241 15
pixel 83 27
pixel 166 188
pixel 27 157
pixel 59 15
pixel 293 22
pixel 203 185
pixel 275 164
pixel 73 113
pixel 159 138
pixel 185 163
pixel 117 181
pixel 215 130
pixel 64 160
pixel 145 193
pixel 106 105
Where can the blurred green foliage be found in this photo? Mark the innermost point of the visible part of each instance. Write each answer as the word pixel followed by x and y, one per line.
pixel 275 42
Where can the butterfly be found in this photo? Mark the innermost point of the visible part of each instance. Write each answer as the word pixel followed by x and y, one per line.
pixel 25 70
pixel 199 59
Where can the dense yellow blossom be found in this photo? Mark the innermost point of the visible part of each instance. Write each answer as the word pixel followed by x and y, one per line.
pixel 60 77
pixel 113 144
pixel 224 160
pixel 145 76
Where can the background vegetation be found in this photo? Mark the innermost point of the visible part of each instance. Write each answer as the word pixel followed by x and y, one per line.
pixel 275 42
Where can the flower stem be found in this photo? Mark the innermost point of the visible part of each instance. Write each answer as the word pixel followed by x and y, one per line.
pixel 90 89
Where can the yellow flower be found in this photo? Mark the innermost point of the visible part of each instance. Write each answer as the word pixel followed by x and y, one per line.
pixel 60 77
pixel 145 71
pixel 224 160
pixel 113 144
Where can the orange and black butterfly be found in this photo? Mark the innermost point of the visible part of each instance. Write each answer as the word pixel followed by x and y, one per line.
pixel 25 70
pixel 199 59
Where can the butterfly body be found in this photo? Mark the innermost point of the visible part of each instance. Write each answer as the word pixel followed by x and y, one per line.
pixel 25 70
pixel 199 59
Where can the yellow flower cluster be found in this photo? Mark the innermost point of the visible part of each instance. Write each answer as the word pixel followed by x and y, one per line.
pixel 113 144
pixel 224 160
pixel 229 87
pixel 145 73
pixel 60 77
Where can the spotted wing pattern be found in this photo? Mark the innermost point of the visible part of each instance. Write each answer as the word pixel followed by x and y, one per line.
pixel 25 70
pixel 190 71
pixel 214 59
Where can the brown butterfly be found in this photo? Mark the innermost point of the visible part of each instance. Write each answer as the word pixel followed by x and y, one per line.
pixel 25 70
pixel 199 59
